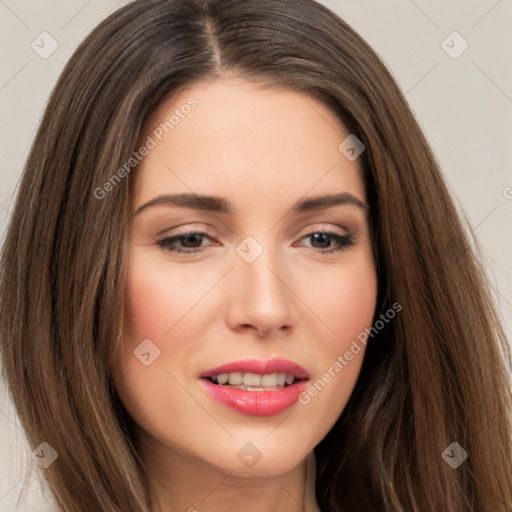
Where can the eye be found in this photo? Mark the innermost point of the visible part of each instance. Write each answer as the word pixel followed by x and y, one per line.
pixel 192 242
pixel 324 239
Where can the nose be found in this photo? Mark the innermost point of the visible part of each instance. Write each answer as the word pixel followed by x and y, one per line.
pixel 261 299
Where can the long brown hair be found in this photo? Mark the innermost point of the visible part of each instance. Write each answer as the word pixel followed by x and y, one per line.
pixel 433 376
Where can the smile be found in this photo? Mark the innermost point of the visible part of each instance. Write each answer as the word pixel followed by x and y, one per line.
pixel 255 387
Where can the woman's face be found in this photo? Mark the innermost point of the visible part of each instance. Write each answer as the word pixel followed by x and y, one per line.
pixel 262 278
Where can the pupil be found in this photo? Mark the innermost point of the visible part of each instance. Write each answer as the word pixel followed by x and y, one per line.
pixel 319 236
pixel 192 238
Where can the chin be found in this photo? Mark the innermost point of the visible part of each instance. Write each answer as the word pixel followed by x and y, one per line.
pixel 259 454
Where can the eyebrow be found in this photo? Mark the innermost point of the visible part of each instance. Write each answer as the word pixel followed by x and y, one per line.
pixel 221 205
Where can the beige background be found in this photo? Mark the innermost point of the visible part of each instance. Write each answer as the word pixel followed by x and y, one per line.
pixel 464 106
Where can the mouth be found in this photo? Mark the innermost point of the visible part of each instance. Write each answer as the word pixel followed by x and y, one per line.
pixel 255 387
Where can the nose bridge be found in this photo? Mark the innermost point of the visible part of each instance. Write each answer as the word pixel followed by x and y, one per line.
pixel 261 297
pixel 258 265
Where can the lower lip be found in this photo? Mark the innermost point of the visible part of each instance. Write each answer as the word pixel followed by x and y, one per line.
pixel 256 403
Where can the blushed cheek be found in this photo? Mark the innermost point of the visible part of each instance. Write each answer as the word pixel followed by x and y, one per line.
pixel 147 307
pixel 160 294
pixel 150 309
pixel 151 306
pixel 351 306
pixel 159 306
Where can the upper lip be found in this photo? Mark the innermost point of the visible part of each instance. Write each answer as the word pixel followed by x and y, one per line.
pixel 259 367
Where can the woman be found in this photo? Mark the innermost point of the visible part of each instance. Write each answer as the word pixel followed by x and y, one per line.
pixel 234 278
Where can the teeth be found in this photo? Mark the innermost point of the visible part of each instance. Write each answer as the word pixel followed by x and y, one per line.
pixel 235 379
pixel 253 381
pixel 222 378
pixel 269 380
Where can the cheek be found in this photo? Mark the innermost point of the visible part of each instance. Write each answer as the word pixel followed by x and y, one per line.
pixel 347 303
pixel 147 307
pixel 160 300
pixel 151 320
pixel 150 305
pixel 145 372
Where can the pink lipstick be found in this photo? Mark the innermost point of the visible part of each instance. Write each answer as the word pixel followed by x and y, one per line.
pixel 255 387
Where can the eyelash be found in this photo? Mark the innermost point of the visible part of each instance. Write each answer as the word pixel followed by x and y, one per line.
pixel 344 241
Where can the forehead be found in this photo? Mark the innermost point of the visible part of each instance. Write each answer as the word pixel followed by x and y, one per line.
pixel 244 141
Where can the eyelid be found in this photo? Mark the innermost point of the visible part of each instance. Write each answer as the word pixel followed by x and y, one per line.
pixel 323 228
pixel 187 228
pixel 190 228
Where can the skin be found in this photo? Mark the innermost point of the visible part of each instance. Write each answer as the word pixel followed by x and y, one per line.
pixel 262 149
